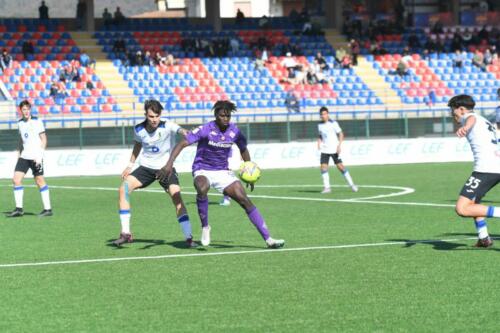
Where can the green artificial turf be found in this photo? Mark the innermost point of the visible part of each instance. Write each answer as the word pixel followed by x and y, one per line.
pixel 387 281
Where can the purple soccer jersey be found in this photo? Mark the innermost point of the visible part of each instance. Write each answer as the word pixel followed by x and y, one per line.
pixel 214 146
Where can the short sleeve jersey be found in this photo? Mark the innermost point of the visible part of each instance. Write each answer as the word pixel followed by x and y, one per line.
pixel 30 131
pixel 214 146
pixel 156 145
pixel 484 145
pixel 328 133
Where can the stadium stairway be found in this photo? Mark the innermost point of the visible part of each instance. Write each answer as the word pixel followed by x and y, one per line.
pixel 107 72
pixel 365 70
pixel 376 82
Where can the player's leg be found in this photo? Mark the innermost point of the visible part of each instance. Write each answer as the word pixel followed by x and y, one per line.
pixel 43 188
pixel 202 185
pixel 225 201
pixel 126 188
pixel 236 191
pixel 20 170
pixel 468 204
pixel 338 163
pixel 324 172
pixel 171 186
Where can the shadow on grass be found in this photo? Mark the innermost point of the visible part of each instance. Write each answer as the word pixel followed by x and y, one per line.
pixel 440 245
pixel 149 243
pixel 25 214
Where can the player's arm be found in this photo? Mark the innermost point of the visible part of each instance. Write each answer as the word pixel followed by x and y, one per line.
pixel 165 172
pixel 19 147
pixel 43 145
pixel 341 139
pixel 320 141
pixel 135 152
pixel 469 123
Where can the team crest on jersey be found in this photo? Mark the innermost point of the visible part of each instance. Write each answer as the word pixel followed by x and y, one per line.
pixel 213 133
pixel 232 135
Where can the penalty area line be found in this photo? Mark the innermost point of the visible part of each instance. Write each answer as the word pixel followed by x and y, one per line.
pixel 228 253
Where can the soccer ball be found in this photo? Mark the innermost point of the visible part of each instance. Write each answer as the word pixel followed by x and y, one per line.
pixel 249 172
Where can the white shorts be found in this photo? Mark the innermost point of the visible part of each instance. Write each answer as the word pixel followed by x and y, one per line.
pixel 218 179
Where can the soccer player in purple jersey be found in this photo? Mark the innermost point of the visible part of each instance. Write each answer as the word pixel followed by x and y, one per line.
pixel 210 168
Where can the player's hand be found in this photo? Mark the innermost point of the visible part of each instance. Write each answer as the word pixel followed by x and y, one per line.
pixel 164 173
pixel 462 131
pixel 38 162
pixel 126 172
pixel 251 186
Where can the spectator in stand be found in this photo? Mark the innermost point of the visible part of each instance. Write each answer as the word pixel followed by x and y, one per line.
pixel 317 74
pixel 158 60
pixel 81 14
pixel 119 18
pixel 430 45
pixel 498 111
pixel 148 60
pixel 107 18
pixel 170 60
pixel 301 75
pixel 291 101
pixel 355 49
pixel 5 60
pixel 289 62
pixel 139 59
pixel 27 49
pixel 483 34
pixel 89 85
pixel 339 55
pixel 58 90
pixel 401 69
pixel 478 60
pixel 43 11
pixel 235 45
pixel 321 61
pixel 488 57
pixel 438 28
pixel 458 59
pixel 86 61
pixel 346 62
pixel 261 58
pixel 291 76
pixel 239 17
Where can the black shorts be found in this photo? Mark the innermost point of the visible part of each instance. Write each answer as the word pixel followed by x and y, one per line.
pixel 23 165
pixel 147 176
pixel 325 158
pixel 478 184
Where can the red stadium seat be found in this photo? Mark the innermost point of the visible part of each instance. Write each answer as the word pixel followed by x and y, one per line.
pixel 42 110
pixel 49 101
pixel 86 109
pixel 106 108
pixel 66 109
pixel 90 101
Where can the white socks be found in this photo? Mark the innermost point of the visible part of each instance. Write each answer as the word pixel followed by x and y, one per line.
pixel 326 178
pixel 44 192
pixel 348 178
pixel 125 220
pixel 18 196
pixel 482 229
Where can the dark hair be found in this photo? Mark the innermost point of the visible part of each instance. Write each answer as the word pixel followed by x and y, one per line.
pixel 153 105
pixel 461 100
pixel 24 103
pixel 323 109
pixel 224 105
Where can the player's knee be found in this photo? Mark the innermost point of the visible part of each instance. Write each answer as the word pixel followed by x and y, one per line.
pixel 461 210
pixel 16 181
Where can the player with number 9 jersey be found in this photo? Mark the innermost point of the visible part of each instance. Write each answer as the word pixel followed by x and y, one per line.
pixel 481 135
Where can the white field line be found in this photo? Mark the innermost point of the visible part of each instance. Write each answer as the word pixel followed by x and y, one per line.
pixel 368 200
pixel 225 253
